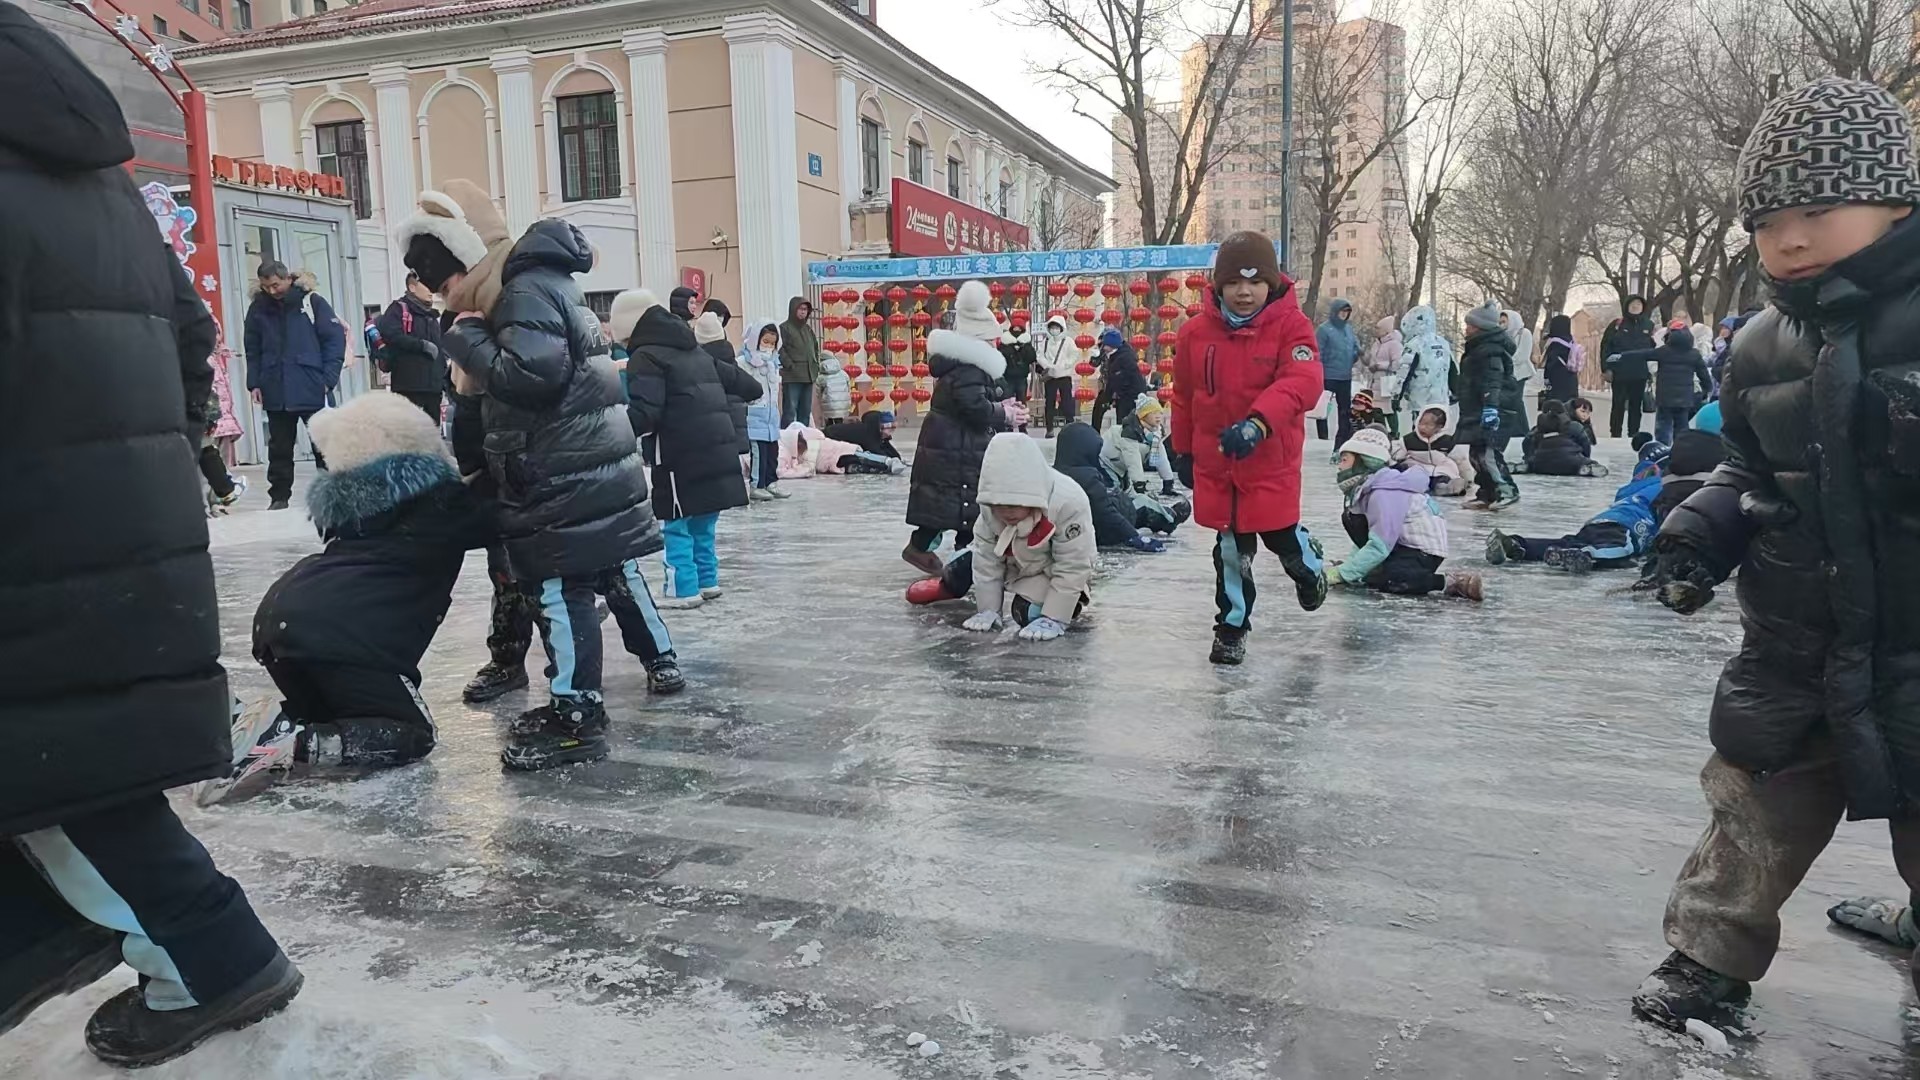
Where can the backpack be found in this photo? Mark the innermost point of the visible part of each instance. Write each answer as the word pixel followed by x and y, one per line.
pixel 1576 356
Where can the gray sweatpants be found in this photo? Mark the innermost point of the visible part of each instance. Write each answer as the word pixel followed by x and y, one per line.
pixel 1763 837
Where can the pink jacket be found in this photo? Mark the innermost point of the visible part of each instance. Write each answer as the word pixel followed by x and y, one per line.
pixel 822 455
pixel 227 427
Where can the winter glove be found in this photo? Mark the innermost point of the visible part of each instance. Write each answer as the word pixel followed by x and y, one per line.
pixel 1183 468
pixel 1490 418
pixel 1042 629
pixel 1140 487
pixel 982 622
pixel 1681 578
pixel 1146 543
pixel 1888 920
pixel 1240 440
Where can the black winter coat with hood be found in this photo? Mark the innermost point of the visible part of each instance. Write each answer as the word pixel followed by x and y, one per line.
pixel 1678 367
pixel 962 419
pixel 799 345
pixel 113 686
pixel 864 433
pixel 1120 378
pixel 410 332
pixel 1077 454
pixel 1626 334
pixel 1558 445
pixel 678 401
pixel 724 355
pixel 1486 379
pixel 1818 505
pixel 572 488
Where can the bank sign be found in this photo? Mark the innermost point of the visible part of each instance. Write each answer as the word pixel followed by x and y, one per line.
pixel 278 177
pixel 927 223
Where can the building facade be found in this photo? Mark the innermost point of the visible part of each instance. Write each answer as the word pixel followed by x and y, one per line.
pixel 1163 140
pixel 721 141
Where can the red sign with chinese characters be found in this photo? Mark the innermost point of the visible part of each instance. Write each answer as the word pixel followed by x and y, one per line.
pixel 692 277
pixel 261 174
pixel 927 223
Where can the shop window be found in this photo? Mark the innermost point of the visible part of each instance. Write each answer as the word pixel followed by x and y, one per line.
pixel 213 13
pixel 869 158
pixel 589 147
pixel 159 26
pixel 343 153
pixel 242 15
pixel 601 304
pixel 191 5
pixel 1006 197
pixel 917 161
pixel 953 177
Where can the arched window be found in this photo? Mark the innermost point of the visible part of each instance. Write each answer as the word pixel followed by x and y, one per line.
pixel 956 170
pixel 583 108
pixel 875 149
pixel 919 154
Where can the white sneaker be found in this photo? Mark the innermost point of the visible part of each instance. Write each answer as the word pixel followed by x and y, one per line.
pixel 778 494
pixel 681 603
pixel 263 742
pixel 760 495
pixel 712 592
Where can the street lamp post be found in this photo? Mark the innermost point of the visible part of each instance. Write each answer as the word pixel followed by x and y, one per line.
pixel 1286 134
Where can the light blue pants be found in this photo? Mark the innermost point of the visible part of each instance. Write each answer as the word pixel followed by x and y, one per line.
pixel 692 562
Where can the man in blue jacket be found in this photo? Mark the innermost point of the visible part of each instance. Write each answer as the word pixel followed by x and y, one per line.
pixel 1339 348
pixel 295 346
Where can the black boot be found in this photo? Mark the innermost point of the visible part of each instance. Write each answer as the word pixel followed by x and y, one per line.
pixel 72 959
pixel 663 676
pixel 1168 489
pixel 493 680
pixel 125 1032
pixel 1681 989
pixel 1228 648
pixel 570 732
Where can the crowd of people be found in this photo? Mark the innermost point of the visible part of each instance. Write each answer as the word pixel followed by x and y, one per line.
pixel 575 448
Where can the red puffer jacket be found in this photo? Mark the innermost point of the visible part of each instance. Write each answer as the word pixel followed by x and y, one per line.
pixel 1269 368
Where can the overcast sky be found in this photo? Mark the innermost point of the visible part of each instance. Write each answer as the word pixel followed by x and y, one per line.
pixel 971 43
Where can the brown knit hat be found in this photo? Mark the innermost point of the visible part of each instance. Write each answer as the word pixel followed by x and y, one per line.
pixel 1247 255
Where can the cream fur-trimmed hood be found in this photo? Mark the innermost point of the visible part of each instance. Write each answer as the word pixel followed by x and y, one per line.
pixel 967 350
pixel 375 425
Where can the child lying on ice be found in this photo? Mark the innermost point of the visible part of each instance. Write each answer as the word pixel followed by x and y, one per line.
pixel 805 452
pixel 1034 538
pixel 1118 514
pixel 343 631
pixel 1392 518
pixel 1614 537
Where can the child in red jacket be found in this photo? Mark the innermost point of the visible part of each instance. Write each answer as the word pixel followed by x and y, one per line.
pixel 1245 373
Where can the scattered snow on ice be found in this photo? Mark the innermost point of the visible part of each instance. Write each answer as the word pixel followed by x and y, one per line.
pixel 929 1049
pixel 916 1038
pixel 1711 1037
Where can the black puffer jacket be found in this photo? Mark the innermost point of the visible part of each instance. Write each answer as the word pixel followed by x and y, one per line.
pixel 1077 453
pixel 1818 505
pixel 1120 377
pixel 411 333
pixel 723 355
pixel 679 401
pixel 1626 334
pixel 865 433
pixel 1486 379
pixel 1690 463
pixel 961 419
pixel 1678 367
pixel 1558 445
pixel 572 488
pixel 397 529
pixel 113 687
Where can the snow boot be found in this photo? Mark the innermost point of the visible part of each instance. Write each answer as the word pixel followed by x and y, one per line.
pixel 1228 648
pixel 264 738
pixel 924 561
pixel 1309 575
pixel 1501 547
pixel 760 495
pixel 1506 499
pixel 1593 468
pixel 712 592
pixel 74 958
pixel 778 494
pixel 1169 489
pixel 663 676
pixel 494 680
pixel 278 504
pixel 569 733
pixel 1572 560
pixel 1681 989
pixel 1465 586
pixel 124 1032
pixel 931 590
pixel 682 603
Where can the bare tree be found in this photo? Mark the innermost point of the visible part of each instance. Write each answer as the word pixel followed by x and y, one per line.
pixel 1873 40
pixel 1116 52
pixel 1072 225
pixel 1451 85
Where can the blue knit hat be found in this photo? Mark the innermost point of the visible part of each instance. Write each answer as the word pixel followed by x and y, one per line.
pixel 1112 338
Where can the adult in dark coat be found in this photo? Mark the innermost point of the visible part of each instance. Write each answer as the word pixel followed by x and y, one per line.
pixel 1121 383
pixel 680 302
pixel 1630 332
pixel 1679 367
pixel 962 418
pixel 1077 454
pixel 1492 405
pixel 1017 346
pixel 873 432
pixel 410 349
pixel 1557 359
pixel 800 363
pixel 113 690
pixel 295 347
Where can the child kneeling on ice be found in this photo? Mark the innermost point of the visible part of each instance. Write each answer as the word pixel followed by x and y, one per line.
pixel 343 631
pixel 1034 537
pixel 1391 516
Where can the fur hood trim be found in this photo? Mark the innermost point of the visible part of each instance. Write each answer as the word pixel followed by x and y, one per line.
pixel 342 497
pixel 373 426
pixel 967 350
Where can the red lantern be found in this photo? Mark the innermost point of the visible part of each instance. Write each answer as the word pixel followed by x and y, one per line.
pixel 1083 343
pixel 1112 316
pixel 1083 369
pixel 896 294
pixel 1111 290
pixel 1057 289
pixel 1083 316
pixel 1058 313
pixel 899 395
pixel 830 296
pixel 876 369
pixel 898 370
pixel 1139 314
pixel 1196 281
pixel 873 346
pixel 1022 289
pixel 945 292
pixel 876 320
pixel 853 371
pixel 1169 284
pixel 922 395
pixel 1169 311
pixel 872 296
pixel 1144 369
pixel 922 320
pixel 876 397
pixel 897 319
pixel 1193 311
pixel 921 371
pixel 1083 393
pixel 1139 287
pixel 1165 394
pixel 1168 339
pixel 920 346
pixel 898 345
pixel 1083 289
pixel 996 290
pixel 1166 365
pixel 1140 343
pixel 1020 317
pixel 920 293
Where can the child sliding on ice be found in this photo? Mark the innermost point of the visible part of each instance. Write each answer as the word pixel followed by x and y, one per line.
pixel 1392 518
pixel 1245 374
pixel 1614 537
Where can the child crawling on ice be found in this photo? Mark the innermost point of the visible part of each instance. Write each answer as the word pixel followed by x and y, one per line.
pixel 1391 517
pixel 343 631
pixel 1034 538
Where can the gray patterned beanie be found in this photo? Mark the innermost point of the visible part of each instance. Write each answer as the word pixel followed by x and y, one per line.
pixel 1831 141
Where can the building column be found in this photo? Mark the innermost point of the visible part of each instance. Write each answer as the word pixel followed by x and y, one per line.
pixel 277 137
pixel 519 159
pixel 765 159
pixel 977 196
pixel 393 105
pixel 847 120
pixel 652 158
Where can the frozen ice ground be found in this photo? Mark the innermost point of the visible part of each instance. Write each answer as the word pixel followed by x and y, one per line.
pixel 1399 840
